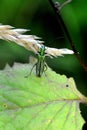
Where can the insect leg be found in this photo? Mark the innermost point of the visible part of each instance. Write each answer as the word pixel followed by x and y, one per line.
pixel 45 68
pixel 31 70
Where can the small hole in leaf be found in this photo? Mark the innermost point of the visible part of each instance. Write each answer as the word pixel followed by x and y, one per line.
pixel 5 105
pixel 67 85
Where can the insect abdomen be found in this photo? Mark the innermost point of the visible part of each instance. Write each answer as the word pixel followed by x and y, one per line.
pixel 39 68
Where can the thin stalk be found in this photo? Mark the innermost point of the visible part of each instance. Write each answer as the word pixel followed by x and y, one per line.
pixel 60 20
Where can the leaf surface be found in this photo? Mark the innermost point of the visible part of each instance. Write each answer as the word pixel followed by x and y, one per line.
pixel 47 103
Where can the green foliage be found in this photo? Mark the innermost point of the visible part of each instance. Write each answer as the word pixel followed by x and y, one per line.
pixel 48 103
pixel 39 17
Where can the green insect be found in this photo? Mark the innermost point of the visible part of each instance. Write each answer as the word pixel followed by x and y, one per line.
pixel 40 65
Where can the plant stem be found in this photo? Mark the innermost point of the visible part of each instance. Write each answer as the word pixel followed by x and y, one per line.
pixel 60 20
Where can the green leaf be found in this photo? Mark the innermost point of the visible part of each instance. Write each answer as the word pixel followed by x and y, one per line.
pixel 47 103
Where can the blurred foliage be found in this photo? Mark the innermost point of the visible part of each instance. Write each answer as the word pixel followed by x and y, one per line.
pixel 38 16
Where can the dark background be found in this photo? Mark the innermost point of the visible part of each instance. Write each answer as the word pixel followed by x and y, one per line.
pixel 39 17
